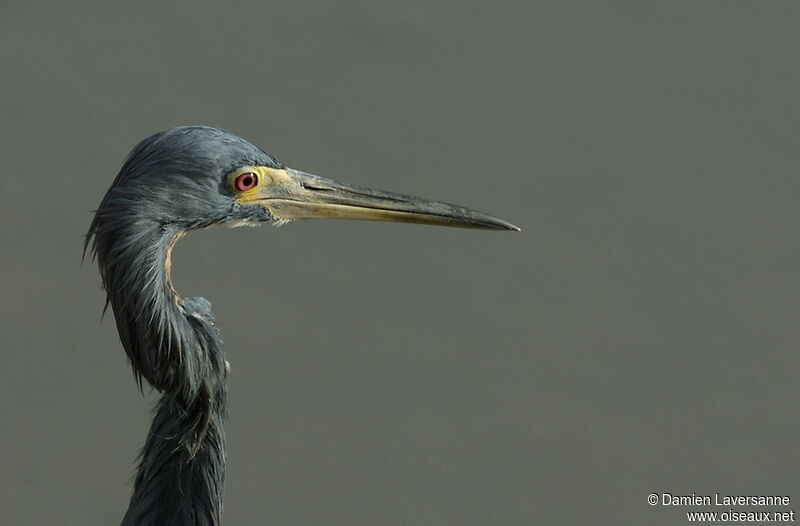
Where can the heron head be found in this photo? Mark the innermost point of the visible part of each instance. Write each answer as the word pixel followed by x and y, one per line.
pixel 198 176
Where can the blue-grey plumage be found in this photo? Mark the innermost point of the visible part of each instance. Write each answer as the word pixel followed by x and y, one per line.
pixel 172 182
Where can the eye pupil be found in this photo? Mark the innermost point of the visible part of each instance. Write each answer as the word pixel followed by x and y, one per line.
pixel 245 181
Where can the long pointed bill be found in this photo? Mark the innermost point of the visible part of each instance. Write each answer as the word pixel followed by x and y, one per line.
pixel 291 194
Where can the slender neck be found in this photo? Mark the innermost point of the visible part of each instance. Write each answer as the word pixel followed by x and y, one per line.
pixel 174 344
pixel 179 483
pixel 168 344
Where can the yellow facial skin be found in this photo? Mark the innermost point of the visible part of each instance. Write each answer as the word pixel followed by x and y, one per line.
pixel 266 177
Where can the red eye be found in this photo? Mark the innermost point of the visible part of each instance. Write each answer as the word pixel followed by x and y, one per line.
pixel 246 181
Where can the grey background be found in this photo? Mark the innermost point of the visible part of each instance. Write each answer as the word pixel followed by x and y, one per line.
pixel 638 336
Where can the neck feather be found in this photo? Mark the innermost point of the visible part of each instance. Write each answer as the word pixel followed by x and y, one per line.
pixel 174 344
pixel 159 334
pixel 181 483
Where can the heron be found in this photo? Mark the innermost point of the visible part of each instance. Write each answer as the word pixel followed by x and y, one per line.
pixel 175 181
